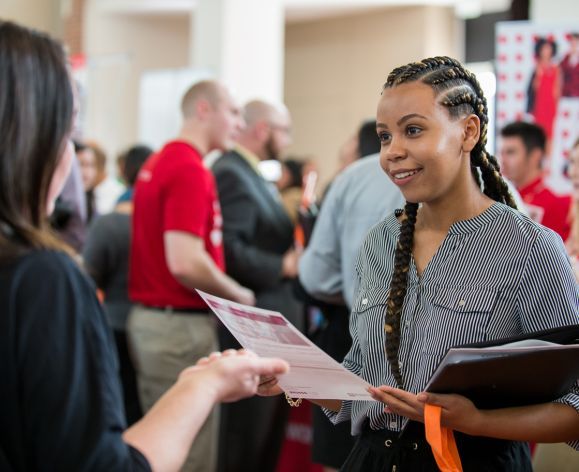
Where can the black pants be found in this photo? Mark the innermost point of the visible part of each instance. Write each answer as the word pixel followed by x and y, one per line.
pixel 252 431
pixel 331 444
pixel 387 451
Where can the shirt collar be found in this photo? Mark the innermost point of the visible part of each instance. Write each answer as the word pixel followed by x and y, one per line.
pixel 472 224
pixel 249 157
pixel 460 227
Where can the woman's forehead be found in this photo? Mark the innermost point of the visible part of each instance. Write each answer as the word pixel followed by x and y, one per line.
pixel 412 97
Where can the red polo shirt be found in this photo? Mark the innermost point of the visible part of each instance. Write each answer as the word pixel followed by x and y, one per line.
pixel 174 191
pixel 547 208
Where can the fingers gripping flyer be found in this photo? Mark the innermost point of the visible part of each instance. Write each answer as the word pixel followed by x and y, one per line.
pixel 313 373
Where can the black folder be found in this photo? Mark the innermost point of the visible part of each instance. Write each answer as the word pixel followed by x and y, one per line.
pixel 517 371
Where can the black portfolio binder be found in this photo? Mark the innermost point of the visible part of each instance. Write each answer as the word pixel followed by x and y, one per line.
pixel 524 370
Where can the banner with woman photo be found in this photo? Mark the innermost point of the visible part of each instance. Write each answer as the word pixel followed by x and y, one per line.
pixel 537 70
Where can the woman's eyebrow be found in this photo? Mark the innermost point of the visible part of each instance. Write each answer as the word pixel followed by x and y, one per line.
pixel 408 117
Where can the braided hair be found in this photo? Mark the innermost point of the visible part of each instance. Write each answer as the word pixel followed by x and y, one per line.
pixel 461 93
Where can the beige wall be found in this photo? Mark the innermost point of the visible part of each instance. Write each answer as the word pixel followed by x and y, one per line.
pixel 40 14
pixel 119 49
pixel 335 70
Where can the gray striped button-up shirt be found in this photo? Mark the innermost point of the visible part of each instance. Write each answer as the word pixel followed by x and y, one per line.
pixel 494 276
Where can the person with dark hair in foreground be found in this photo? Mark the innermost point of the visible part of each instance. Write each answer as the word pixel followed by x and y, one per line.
pixel 60 398
pixel 458 265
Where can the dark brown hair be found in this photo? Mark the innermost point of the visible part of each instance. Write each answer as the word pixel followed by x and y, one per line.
pixel 459 91
pixel 532 135
pixel 36 108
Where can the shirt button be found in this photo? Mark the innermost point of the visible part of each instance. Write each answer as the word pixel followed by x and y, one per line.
pixel 393 424
pixel 461 303
pixel 400 364
pixel 365 301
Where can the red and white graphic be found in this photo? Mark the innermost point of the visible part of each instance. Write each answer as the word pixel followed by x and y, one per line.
pixel 538 81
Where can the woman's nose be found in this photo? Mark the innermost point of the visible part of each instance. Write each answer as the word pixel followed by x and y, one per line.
pixel 395 150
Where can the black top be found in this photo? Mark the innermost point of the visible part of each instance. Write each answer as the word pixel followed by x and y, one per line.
pixel 60 399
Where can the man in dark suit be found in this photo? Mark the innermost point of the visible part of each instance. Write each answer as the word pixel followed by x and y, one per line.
pixel 258 238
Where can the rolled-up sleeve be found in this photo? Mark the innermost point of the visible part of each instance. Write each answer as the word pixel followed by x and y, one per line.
pixel 572 399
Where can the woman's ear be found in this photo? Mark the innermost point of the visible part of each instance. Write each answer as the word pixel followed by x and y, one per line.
pixel 471 133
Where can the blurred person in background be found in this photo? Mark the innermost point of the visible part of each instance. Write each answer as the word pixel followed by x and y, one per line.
pixel 361 144
pixel 107 189
pixel 258 243
pixel 135 155
pixel 522 151
pixel 290 186
pixel 89 173
pixel 368 142
pixel 106 259
pixel 177 248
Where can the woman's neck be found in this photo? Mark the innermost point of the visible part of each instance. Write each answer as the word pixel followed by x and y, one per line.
pixel 441 215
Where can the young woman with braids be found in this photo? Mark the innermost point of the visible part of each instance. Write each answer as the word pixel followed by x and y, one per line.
pixel 458 265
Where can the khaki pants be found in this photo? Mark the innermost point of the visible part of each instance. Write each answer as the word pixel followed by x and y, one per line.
pixel 164 343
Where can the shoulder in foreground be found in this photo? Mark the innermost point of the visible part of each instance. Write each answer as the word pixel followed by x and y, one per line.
pixel 47 264
pixel 385 230
pixel 518 224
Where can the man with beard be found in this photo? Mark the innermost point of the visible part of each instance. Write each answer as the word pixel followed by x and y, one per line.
pixel 258 238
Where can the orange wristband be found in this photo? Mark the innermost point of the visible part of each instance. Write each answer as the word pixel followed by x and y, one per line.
pixel 441 440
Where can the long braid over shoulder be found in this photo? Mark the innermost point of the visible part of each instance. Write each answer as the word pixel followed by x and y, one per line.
pixel 398 288
pixel 459 91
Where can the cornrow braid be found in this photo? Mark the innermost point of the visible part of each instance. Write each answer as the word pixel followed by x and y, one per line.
pixel 462 95
pixel 398 289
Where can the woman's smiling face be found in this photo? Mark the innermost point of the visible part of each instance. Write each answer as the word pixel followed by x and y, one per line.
pixel 422 146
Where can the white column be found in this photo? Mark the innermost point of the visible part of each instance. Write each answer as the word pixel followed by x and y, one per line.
pixel 242 43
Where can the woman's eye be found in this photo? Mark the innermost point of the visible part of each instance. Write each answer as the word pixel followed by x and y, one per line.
pixel 384 137
pixel 413 130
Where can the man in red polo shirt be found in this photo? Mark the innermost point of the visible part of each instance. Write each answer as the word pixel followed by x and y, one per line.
pixel 522 152
pixel 177 247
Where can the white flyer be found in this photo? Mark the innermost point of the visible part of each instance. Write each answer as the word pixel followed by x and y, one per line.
pixel 313 373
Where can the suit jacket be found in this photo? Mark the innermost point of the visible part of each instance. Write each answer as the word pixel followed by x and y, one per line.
pixel 257 232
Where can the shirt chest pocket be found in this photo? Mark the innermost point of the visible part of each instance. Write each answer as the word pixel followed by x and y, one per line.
pixel 458 316
pixel 369 311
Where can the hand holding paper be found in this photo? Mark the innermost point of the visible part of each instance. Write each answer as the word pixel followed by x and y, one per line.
pixel 313 374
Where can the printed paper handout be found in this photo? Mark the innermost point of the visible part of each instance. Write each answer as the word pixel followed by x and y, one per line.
pixel 313 373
